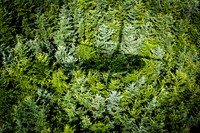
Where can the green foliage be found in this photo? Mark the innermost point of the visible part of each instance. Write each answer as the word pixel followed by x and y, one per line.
pixel 87 4
pixel 103 42
pixel 46 24
pixel 7 31
pixel 30 115
pixel 99 66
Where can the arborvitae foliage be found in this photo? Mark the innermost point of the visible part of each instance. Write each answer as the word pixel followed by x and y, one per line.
pixel 99 66
pixel 31 114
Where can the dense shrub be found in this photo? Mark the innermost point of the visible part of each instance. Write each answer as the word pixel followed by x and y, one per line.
pixel 99 66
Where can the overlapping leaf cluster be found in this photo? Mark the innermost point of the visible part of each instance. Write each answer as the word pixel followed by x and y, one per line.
pixel 99 66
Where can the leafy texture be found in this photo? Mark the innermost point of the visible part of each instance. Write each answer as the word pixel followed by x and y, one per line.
pixel 99 66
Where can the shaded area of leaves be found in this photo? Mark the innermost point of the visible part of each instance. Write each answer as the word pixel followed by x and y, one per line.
pixel 117 63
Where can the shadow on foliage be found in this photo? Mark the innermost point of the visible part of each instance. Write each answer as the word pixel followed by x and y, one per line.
pixel 195 129
pixel 116 63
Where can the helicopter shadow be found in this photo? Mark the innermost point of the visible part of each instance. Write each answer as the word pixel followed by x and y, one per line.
pixel 117 63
